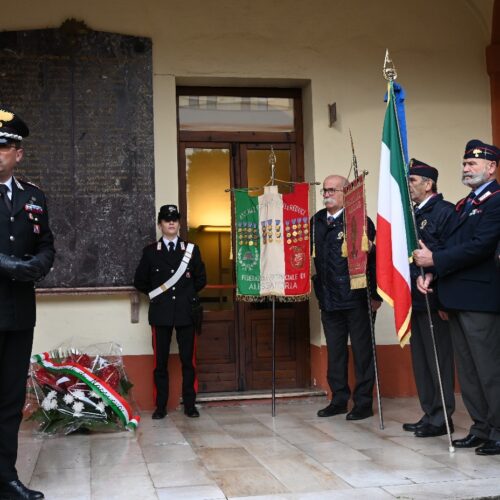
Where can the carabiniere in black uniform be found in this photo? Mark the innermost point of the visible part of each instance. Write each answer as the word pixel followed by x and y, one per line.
pixel 171 309
pixel 26 255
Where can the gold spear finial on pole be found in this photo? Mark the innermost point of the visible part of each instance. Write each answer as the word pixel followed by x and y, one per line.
pixel 272 164
pixel 389 70
pixel 354 163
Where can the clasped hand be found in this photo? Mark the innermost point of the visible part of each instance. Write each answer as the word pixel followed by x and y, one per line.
pixel 28 268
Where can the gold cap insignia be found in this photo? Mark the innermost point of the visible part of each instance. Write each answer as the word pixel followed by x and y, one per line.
pixel 477 152
pixel 5 116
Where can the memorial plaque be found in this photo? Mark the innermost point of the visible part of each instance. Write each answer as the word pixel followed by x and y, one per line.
pixel 87 98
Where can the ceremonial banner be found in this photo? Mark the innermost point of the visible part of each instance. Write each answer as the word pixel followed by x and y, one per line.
pixel 355 246
pixel 272 244
pixel 395 232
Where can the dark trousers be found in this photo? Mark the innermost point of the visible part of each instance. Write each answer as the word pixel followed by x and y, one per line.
pixel 162 335
pixel 476 340
pixel 15 353
pixel 338 327
pixel 424 366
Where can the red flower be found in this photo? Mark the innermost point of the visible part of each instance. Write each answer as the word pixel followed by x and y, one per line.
pixel 82 359
pixel 110 375
pixel 44 377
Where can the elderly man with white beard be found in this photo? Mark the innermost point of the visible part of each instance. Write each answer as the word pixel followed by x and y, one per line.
pixel 468 285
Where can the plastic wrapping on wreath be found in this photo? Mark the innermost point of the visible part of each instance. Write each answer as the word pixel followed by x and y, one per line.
pixel 87 389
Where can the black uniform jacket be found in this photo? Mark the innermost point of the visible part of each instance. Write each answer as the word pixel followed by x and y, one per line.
pixel 433 220
pixel 157 265
pixel 332 283
pixel 468 279
pixel 24 231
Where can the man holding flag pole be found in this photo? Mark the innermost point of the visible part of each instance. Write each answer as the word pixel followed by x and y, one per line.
pixel 396 232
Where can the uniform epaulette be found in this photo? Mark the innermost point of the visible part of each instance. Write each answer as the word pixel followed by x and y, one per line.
pixel 23 180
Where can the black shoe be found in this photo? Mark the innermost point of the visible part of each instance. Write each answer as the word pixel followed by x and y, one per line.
pixel 429 430
pixel 469 441
pixel 359 413
pixel 159 413
pixel 489 448
pixel 191 412
pixel 14 490
pixel 413 427
pixel 332 410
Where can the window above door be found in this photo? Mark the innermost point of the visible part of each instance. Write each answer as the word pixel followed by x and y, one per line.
pixel 236 113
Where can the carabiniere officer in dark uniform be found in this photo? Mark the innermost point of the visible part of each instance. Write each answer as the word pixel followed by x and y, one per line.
pixel 26 255
pixel 171 272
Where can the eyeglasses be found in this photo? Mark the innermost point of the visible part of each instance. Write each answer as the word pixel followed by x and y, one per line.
pixel 330 191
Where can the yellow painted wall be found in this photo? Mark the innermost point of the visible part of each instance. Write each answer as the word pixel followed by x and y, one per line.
pixel 334 50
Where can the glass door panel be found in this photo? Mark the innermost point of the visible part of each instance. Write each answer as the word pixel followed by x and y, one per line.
pixel 259 169
pixel 208 174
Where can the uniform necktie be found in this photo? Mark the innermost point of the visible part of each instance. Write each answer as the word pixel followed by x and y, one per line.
pixel 468 203
pixel 4 191
pixel 330 219
pixel 170 246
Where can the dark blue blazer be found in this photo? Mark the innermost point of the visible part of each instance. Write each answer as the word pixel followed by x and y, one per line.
pixel 468 279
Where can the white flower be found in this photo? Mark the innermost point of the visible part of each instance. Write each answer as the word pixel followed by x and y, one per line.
pixel 78 394
pixel 46 403
pixel 68 399
pixel 101 407
pixel 78 407
pixel 51 394
pixel 53 404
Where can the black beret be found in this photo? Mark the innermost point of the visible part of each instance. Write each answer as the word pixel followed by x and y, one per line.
pixel 478 149
pixel 12 128
pixel 168 212
pixel 418 167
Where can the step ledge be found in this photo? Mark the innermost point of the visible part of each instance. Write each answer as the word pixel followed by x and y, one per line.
pixel 242 396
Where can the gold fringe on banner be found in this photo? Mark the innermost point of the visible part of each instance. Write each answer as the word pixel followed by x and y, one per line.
pixel 364 241
pixel 344 248
pixel 268 298
pixel 358 282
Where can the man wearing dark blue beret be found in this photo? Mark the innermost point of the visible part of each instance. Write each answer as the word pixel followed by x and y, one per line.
pixel 432 216
pixel 26 255
pixel 469 288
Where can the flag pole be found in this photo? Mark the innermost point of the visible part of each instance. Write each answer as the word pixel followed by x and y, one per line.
pixel 370 310
pixel 272 164
pixel 390 75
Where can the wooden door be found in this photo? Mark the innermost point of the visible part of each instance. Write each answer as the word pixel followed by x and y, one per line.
pixel 234 350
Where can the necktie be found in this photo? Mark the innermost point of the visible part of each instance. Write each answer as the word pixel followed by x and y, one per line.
pixel 330 219
pixel 4 190
pixel 468 203
pixel 170 246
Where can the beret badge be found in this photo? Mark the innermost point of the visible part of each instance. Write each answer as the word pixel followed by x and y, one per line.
pixel 5 116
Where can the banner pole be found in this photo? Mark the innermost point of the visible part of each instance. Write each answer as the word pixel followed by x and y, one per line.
pixel 273 398
pixel 374 349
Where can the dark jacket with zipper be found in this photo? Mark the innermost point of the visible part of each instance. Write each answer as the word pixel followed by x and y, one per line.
pixel 332 282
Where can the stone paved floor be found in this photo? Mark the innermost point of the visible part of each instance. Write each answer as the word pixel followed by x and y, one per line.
pixel 242 452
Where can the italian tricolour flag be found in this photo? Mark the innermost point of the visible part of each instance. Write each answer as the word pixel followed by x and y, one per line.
pixel 272 244
pixel 395 231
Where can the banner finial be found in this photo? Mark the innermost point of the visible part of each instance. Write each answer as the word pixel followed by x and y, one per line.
pixel 389 70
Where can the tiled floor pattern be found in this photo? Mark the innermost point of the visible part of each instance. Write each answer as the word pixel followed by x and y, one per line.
pixel 242 452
